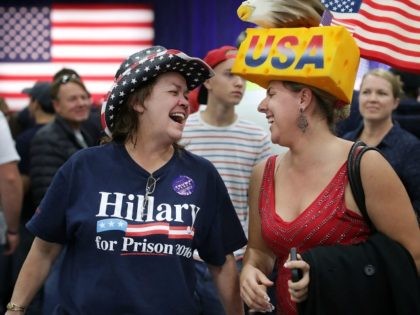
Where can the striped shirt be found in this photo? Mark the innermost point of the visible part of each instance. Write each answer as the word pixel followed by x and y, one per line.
pixel 233 150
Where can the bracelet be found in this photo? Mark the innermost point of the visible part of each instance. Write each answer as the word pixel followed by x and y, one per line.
pixel 12 232
pixel 14 307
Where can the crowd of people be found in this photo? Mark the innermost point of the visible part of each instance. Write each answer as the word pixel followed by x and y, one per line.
pixel 178 206
pixel 46 133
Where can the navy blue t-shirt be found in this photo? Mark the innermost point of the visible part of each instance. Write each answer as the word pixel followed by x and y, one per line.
pixel 121 259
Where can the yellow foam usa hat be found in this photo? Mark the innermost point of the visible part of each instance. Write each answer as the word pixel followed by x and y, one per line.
pixel 325 57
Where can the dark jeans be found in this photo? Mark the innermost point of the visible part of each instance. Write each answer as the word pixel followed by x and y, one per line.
pixel 206 292
pixel 4 281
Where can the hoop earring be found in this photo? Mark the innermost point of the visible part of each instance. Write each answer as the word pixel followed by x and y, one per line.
pixel 302 121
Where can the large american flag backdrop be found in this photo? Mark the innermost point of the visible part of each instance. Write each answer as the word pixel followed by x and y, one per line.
pixel 385 30
pixel 93 39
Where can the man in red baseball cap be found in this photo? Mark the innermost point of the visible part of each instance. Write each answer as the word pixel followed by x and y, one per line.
pixel 232 144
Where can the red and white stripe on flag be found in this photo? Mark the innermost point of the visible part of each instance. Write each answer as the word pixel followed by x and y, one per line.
pixel 385 30
pixel 92 39
pixel 389 31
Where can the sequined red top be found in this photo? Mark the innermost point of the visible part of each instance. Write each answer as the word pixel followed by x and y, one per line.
pixel 326 221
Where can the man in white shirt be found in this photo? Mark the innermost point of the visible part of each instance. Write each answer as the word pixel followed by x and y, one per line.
pixel 11 196
pixel 10 186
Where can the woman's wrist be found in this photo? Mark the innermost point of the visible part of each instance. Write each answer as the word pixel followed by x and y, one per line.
pixel 11 306
pixel 12 232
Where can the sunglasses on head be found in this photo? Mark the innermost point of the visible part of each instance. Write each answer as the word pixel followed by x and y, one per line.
pixel 68 77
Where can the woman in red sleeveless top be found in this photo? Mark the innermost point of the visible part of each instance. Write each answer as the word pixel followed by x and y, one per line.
pixel 302 198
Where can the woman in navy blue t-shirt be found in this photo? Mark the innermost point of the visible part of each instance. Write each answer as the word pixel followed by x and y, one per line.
pixel 130 212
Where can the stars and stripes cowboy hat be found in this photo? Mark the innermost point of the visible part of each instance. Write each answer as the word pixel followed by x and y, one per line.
pixel 143 66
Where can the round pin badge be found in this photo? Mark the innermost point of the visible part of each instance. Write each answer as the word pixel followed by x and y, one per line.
pixel 183 185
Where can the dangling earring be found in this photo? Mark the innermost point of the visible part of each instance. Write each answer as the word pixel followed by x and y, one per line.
pixel 302 121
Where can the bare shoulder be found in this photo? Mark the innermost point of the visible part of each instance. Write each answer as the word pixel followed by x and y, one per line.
pixel 259 167
pixel 374 167
pixel 257 174
pixel 380 181
pixel 386 198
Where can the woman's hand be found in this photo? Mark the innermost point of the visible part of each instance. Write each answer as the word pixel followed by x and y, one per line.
pixel 254 285
pixel 12 243
pixel 298 290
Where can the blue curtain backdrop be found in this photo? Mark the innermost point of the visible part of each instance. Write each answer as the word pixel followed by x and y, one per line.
pixel 197 26
pixel 193 26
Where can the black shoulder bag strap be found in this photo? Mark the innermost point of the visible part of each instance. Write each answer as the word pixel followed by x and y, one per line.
pixel 355 180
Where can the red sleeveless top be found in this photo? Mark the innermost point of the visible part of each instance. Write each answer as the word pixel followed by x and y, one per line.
pixel 326 221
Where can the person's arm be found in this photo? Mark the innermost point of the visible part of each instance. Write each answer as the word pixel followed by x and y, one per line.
pixel 11 195
pixel 410 176
pixel 258 260
pixel 34 272
pixel 226 279
pixel 26 183
pixel 388 204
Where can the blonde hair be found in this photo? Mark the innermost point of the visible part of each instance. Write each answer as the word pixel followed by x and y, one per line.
pixel 394 80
